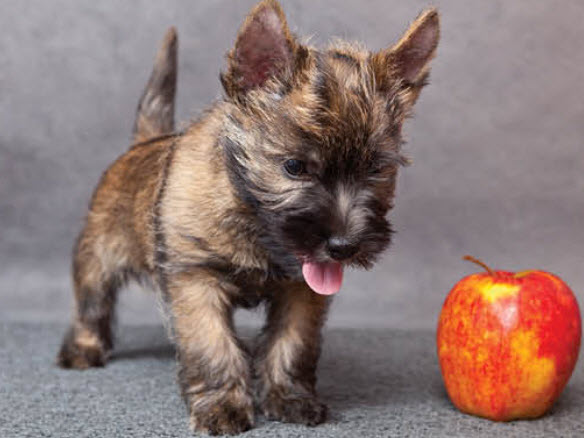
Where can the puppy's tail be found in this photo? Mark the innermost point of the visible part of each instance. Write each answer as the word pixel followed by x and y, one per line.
pixel 155 112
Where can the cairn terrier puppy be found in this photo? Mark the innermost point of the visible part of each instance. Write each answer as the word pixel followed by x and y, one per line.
pixel 266 198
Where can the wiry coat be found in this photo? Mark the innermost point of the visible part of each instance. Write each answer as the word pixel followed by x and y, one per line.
pixel 213 219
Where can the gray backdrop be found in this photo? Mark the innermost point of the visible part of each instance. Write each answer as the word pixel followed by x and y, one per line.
pixel 496 141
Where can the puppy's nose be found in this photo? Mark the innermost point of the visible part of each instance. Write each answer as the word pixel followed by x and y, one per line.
pixel 340 248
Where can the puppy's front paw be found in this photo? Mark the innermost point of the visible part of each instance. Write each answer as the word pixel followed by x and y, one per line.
pixel 294 408
pixel 225 416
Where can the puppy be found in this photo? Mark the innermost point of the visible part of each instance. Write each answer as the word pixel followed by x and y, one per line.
pixel 266 198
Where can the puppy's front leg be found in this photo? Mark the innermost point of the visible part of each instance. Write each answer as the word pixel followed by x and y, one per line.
pixel 214 372
pixel 285 365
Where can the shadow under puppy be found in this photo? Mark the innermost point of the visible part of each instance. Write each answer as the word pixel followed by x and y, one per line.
pixel 265 198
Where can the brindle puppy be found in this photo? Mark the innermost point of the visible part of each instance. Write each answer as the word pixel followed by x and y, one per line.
pixel 266 198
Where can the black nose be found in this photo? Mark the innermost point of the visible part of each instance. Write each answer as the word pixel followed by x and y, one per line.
pixel 340 248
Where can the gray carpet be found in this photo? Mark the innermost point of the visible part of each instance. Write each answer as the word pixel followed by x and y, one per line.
pixel 377 383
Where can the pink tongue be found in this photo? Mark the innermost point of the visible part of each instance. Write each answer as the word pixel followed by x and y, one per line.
pixel 323 278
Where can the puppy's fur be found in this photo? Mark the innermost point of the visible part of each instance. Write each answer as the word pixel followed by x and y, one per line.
pixel 216 219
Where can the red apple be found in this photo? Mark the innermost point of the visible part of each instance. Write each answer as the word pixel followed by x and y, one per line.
pixel 508 343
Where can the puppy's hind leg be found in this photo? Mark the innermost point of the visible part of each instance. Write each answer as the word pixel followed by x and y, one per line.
pixel 99 270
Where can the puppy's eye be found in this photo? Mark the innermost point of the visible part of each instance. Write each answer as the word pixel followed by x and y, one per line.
pixel 294 167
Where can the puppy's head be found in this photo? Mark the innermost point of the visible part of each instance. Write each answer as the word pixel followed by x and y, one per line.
pixel 312 140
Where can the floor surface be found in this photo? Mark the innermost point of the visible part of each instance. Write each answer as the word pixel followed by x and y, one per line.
pixel 377 383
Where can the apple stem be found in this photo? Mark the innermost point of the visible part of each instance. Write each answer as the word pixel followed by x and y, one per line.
pixel 480 263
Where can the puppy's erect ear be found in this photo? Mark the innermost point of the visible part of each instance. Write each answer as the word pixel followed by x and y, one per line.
pixel 416 48
pixel 409 59
pixel 264 49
